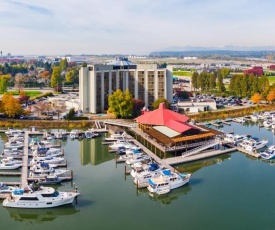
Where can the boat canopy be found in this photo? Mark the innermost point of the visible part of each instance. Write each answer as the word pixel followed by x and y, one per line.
pixel 166 172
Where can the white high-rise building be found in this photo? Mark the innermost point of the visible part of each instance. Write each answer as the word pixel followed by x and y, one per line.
pixel 146 82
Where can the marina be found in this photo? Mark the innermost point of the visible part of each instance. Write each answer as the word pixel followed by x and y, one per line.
pixel 92 155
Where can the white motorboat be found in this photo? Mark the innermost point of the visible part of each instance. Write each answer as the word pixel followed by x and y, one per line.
pixel 140 167
pixel 167 181
pixel 114 137
pixel 57 135
pixel 52 152
pixel 137 158
pixel 42 168
pixel 88 134
pixel 252 145
pixel 141 179
pixel 267 124
pixel 39 197
pixel 268 154
pixel 12 132
pixel 122 144
pixel 128 155
pixel 10 163
pixel 54 172
pixel 4 189
pixel 12 152
pixel 14 144
pixel 74 134
pixel 47 159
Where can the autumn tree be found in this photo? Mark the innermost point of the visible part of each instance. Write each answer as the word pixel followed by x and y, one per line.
pixel 120 104
pixel 56 77
pixel 256 98
pixel 19 81
pixel 271 96
pixel 10 105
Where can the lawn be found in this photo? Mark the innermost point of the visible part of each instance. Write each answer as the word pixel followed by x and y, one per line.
pixel 27 93
pixel 271 80
pixel 182 73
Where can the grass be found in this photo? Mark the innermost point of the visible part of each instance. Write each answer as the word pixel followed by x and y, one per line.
pixel 271 80
pixel 182 73
pixel 27 93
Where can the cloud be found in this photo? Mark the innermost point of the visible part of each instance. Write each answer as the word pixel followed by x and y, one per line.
pixel 123 26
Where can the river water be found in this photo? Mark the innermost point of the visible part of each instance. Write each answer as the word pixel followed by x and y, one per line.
pixel 231 191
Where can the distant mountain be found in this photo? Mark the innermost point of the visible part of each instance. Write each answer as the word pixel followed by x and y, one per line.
pixel 223 48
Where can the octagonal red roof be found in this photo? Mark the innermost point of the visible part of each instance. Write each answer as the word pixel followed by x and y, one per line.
pixel 161 116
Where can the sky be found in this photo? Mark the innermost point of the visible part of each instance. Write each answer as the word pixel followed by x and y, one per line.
pixel 59 27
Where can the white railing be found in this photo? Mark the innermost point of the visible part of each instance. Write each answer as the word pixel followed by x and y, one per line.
pixel 200 148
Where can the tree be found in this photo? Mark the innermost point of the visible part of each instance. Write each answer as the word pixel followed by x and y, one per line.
pixel 63 64
pixel 18 81
pixel 84 64
pixel 137 106
pixel 31 68
pixel 70 76
pixel 271 96
pixel 256 98
pixel 4 82
pixel 220 85
pixel 70 115
pixel 194 80
pixel 120 104
pixel 10 105
pixel 56 77
pixel 160 100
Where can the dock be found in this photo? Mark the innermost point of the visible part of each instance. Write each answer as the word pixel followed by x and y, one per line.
pixel 207 154
pixel 253 154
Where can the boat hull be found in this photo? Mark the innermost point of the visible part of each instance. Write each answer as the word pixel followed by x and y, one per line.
pixel 47 203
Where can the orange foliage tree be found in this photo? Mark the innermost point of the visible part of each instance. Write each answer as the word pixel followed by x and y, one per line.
pixel 271 96
pixel 10 105
pixel 256 98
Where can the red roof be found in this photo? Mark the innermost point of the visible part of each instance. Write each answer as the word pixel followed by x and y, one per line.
pixel 178 126
pixel 161 116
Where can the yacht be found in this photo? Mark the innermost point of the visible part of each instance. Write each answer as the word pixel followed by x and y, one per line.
pixel 12 152
pixel 10 163
pixel 12 132
pixel 74 134
pixel 119 144
pixel 88 134
pixel 253 145
pixel 138 158
pixel 39 197
pixel 14 144
pixel 167 181
pixel 114 137
pixel 42 168
pixel 47 159
pixel 141 179
pixel 4 189
pixel 50 180
pixel 140 167
pixel 268 154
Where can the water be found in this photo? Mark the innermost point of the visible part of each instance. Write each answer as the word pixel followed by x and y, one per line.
pixel 231 191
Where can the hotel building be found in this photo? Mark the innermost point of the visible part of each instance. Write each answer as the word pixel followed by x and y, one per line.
pixel 146 82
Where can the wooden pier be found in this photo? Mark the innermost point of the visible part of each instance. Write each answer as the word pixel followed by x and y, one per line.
pixel 253 154
pixel 200 156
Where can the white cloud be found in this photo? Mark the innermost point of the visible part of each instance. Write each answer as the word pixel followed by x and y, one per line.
pixel 131 26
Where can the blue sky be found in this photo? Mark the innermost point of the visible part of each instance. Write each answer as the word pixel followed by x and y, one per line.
pixel 132 26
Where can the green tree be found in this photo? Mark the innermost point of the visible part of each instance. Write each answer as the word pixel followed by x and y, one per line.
pixel 71 76
pixel 220 85
pixel 194 80
pixel 4 82
pixel 120 104
pixel 224 72
pixel 160 100
pixel 70 115
pixel 63 64
pixel 84 64
pixel 56 77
